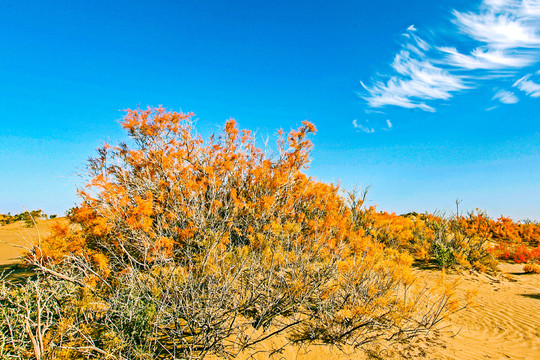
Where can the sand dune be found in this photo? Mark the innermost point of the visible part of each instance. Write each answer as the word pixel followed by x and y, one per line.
pixel 504 323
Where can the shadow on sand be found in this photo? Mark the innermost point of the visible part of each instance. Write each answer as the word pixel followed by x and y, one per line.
pixel 532 296
pixel 426 265
pixel 519 273
pixel 16 273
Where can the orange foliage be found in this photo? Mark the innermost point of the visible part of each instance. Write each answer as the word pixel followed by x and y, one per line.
pixel 533 268
pixel 171 191
pixel 511 240
pixel 520 253
pixel 222 227
pixel 67 239
pixel 502 229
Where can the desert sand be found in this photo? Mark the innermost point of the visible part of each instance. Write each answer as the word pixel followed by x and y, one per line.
pixel 15 237
pixel 504 323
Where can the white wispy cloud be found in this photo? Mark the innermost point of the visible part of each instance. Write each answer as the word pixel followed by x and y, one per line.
pixel 371 111
pixel 389 124
pixel 506 97
pixel 506 41
pixel 415 44
pixel 417 79
pixel 502 31
pixel 363 128
pixel 530 87
pixel 485 58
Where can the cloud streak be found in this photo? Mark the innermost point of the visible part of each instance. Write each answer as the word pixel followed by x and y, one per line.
pixel 506 97
pixel 488 59
pixel 505 38
pixel 528 86
pixel 500 31
pixel 363 128
pixel 416 80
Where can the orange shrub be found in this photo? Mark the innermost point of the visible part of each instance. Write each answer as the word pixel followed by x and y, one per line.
pixel 388 228
pixel 213 243
pixel 171 189
pixel 476 224
pixel 505 229
pixel 502 229
pixel 530 232
pixel 519 253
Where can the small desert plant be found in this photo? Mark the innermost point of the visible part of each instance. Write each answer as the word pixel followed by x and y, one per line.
pixel 533 268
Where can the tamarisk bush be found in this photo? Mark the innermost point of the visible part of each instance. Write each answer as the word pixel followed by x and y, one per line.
pixel 183 249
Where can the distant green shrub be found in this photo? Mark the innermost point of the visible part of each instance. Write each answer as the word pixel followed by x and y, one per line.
pixel 25 216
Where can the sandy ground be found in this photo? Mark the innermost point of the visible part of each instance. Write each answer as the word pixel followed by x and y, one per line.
pixel 15 237
pixel 504 323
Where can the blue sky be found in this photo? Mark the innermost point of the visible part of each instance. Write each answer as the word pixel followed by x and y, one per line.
pixel 424 101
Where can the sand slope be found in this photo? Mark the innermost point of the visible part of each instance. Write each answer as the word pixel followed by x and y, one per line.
pixel 15 235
